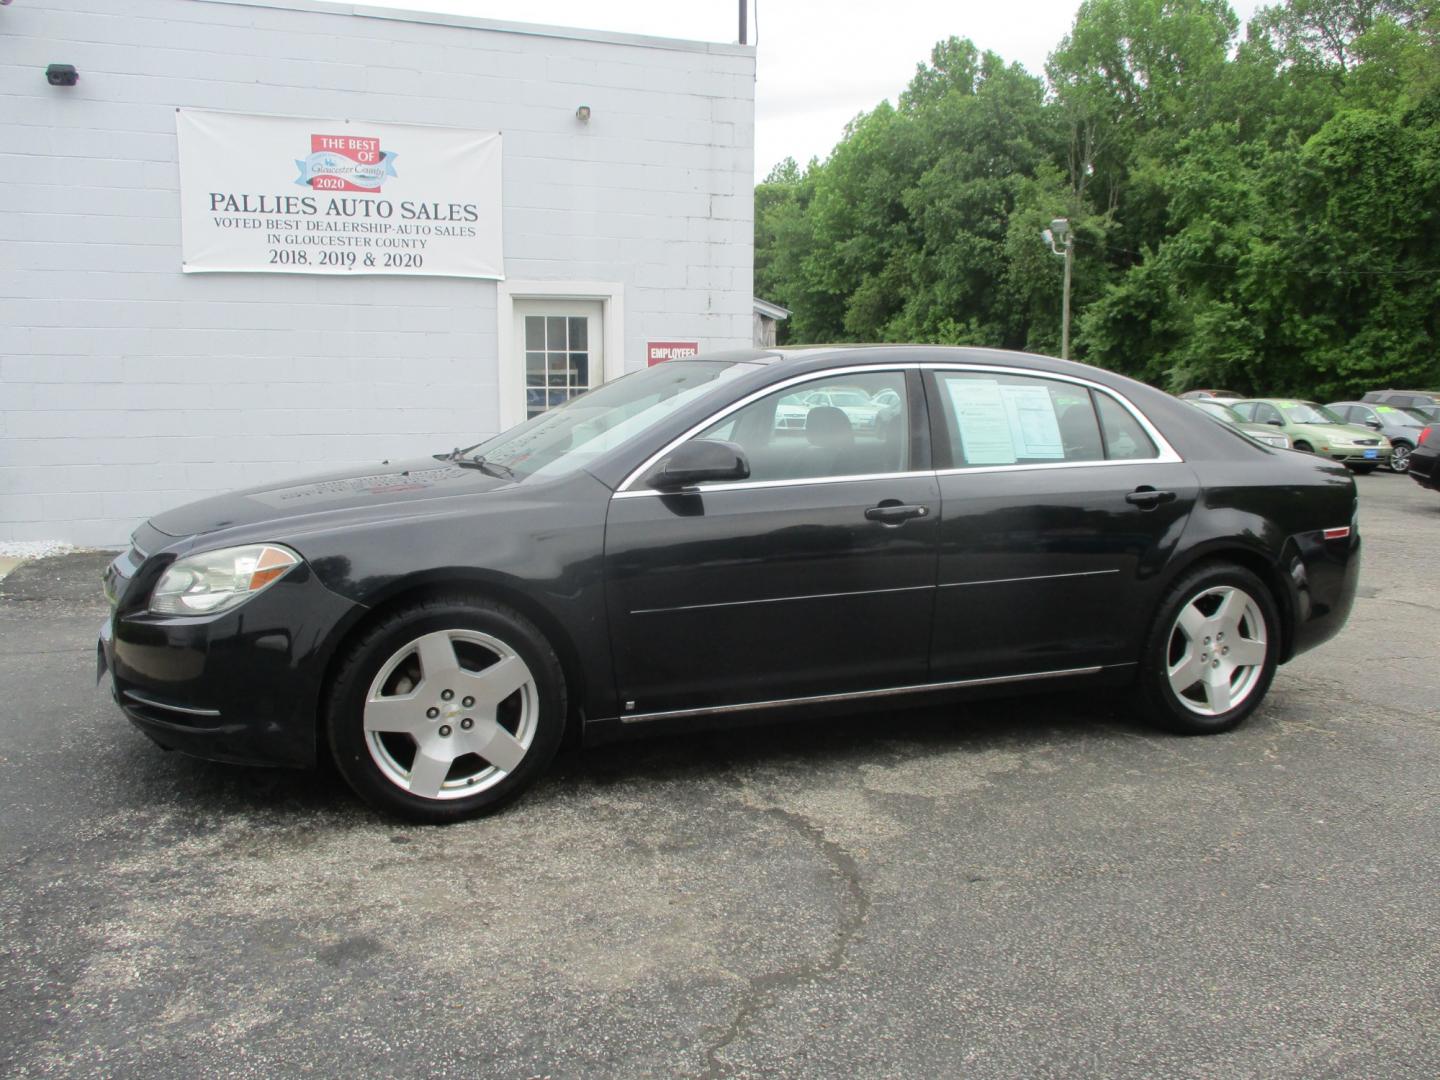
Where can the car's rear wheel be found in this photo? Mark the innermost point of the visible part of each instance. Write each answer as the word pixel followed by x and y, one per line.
pixel 1211 652
pixel 447 708
pixel 1400 457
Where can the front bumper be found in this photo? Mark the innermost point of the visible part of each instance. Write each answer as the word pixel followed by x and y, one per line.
pixel 240 687
pixel 1358 455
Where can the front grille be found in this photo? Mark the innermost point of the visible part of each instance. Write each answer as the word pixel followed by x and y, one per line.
pixel 1367 442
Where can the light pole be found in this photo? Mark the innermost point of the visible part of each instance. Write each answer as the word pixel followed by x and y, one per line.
pixel 1059 233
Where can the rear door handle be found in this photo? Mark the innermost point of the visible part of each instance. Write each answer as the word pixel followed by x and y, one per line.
pixel 894 513
pixel 1147 498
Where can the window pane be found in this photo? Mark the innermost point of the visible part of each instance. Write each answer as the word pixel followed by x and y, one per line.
pixel 579 326
pixel 534 367
pixel 555 332
pixel 580 368
pixel 534 331
pixel 1125 439
pixel 1017 420
pixel 796 434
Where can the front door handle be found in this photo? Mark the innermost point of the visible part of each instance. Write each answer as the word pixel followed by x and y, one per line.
pixel 895 513
pixel 1147 498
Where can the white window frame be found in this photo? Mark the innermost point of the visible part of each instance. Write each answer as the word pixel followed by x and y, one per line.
pixel 510 373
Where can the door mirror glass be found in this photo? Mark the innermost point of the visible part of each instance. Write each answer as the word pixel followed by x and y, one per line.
pixel 1275 420
pixel 700 461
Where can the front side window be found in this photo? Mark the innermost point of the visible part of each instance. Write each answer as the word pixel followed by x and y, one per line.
pixel 843 425
pixel 1266 414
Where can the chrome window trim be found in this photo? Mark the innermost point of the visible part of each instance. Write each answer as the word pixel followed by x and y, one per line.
pixel 862 695
pixel 1166 453
pixel 750 485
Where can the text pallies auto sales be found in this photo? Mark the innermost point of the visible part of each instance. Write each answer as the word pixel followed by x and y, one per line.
pixel 310 206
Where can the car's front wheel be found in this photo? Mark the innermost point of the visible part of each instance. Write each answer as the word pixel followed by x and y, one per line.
pixel 445 709
pixel 1211 652
pixel 1400 457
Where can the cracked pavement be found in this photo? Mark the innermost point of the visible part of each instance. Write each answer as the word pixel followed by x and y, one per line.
pixel 1034 887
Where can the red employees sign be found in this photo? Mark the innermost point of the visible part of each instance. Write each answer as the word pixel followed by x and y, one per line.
pixel 657 352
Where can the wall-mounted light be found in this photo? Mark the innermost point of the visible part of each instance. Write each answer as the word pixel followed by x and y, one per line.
pixel 583 114
pixel 62 75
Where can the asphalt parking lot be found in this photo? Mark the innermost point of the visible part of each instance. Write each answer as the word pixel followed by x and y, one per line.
pixel 1031 888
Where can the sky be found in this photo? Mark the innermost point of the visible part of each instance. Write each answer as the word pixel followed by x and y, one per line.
pixel 819 62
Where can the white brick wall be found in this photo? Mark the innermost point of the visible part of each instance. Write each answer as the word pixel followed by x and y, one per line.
pixel 127 387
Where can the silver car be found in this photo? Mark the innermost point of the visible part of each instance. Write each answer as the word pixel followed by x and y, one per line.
pixel 1401 426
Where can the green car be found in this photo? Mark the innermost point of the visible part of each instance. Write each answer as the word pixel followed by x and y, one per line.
pixel 1316 430
pixel 1221 411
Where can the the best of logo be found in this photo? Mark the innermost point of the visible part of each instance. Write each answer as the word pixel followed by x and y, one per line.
pixel 345 163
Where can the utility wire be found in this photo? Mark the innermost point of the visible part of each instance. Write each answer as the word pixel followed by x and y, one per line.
pixel 1311 271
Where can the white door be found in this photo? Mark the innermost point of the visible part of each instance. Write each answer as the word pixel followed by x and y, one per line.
pixel 561 346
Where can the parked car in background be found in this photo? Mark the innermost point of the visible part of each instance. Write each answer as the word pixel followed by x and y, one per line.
pixel 1401 426
pixel 1426 402
pixel 862 411
pixel 1425 458
pixel 655 554
pixel 1315 430
pixel 1264 433
pixel 1206 395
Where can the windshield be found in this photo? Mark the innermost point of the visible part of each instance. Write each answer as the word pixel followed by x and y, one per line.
pixel 1217 410
pixel 570 436
pixel 1307 412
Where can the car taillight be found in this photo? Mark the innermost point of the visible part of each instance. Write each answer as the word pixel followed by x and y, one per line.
pixel 1425 434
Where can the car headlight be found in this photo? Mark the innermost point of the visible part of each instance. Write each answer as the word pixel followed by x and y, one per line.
pixel 215 581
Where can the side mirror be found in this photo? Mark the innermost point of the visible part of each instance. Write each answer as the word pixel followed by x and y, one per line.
pixel 1373 424
pixel 1276 422
pixel 700 461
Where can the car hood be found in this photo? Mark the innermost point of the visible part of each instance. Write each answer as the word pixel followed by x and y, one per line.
pixel 1344 434
pixel 349 489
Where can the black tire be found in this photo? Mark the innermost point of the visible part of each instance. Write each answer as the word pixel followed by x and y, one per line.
pixel 346 703
pixel 1304 448
pixel 1363 470
pixel 1400 457
pixel 1155 701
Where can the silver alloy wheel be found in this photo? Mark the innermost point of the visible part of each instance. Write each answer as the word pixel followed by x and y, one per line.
pixel 1216 651
pixel 451 714
pixel 1400 458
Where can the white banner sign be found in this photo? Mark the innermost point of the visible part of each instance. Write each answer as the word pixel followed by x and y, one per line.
pixel 295 196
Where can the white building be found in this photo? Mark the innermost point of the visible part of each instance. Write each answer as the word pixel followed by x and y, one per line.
pixel 128 386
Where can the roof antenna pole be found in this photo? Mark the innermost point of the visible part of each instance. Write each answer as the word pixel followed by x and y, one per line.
pixel 744 22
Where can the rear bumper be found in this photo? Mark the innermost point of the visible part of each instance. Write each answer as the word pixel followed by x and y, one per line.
pixel 1425 467
pixel 1322 577
pixel 241 687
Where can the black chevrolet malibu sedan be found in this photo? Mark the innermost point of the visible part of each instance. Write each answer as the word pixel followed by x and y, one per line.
pixel 715 538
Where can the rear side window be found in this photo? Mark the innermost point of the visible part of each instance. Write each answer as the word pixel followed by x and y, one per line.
pixel 1125 439
pixel 998 419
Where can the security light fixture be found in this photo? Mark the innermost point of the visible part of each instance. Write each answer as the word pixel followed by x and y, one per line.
pixel 1061 228
pixel 62 75
pixel 583 114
